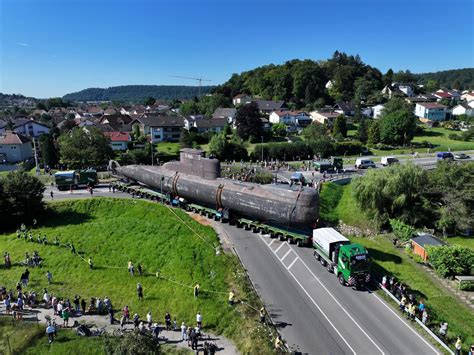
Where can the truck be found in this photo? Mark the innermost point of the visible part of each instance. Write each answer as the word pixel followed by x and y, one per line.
pixel 334 163
pixel 348 261
pixel 73 178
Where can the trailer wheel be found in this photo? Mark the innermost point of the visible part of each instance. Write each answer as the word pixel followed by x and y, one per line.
pixel 316 255
pixel 282 237
pixel 255 229
pixel 322 261
pixel 290 240
pixel 299 243
pixel 329 268
pixel 341 280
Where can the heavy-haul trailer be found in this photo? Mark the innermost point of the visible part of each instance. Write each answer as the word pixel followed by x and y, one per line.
pixel 348 261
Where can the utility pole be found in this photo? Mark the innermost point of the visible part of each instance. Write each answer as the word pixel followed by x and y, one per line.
pixel 262 149
pixel 38 172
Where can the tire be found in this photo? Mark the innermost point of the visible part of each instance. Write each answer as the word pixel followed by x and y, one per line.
pixel 282 238
pixel 329 268
pixel 316 255
pixel 322 261
pixel 255 229
pixel 300 243
pixel 290 240
pixel 341 280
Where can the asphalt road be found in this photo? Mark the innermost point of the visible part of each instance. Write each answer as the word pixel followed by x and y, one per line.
pixel 99 191
pixel 313 312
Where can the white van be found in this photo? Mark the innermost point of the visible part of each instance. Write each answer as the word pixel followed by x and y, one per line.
pixel 385 161
pixel 364 163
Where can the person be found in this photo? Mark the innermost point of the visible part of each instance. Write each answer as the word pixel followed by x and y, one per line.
pixel 49 276
pixel 189 335
pixel 126 314
pixel 139 291
pixel 403 302
pixel 8 305
pixel 130 268
pixel 175 325
pixel 136 320
pixel 384 281
pixel 91 265
pixel 91 190
pixel 110 187
pixel 231 298
pixel 412 309
pixel 110 310
pixel 56 241
pixel 76 303
pixel 122 322
pixel 140 270
pixel 141 328
pixel 168 321
pixel 46 297
pixel 262 315
pixel 149 318
pixel 199 319
pixel 196 290
pixel 443 329
pixel 73 248
pixel 65 316
pixel 83 306
pixel 184 336
pixel 156 330
pixel 194 340
pixel 458 345
pixel 424 317
pixel 50 330
pixel 52 195
pixel 471 351
pixel 278 343
pixel 421 308
pixel 34 222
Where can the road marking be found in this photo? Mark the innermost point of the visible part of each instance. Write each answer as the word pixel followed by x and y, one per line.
pixel 407 325
pixel 271 242
pixel 288 252
pixel 314 302
pixel 276 251
pixel 340 305
pixel 293 262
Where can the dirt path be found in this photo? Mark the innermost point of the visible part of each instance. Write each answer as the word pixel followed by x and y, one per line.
pixel 170 337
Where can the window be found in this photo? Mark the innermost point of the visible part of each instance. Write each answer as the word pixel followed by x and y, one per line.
pixel 13 147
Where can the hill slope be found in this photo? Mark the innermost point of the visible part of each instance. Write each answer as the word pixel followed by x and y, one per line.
pixel 138 93
pixel 462 79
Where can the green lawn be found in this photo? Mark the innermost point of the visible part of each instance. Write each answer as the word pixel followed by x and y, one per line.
pixel 439 138
pixel 461 240
pixel 114 231
pixel 168 147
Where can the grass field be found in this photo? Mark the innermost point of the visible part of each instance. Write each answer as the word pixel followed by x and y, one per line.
pixel 168 147
pixel 337 203
pixel 461 240
pixel 114 231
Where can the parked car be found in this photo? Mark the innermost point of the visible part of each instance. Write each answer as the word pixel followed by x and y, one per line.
pixel 460 156
pixel 444 156
pixel 364 163
pixel 385 161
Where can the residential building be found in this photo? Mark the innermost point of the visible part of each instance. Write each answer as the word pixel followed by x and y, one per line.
pixel 215 125
pixel 421 98
pixel 118 140
pixel 462 109
pixel 30 128
pixel 241 99
pixel 347 108
pixel 468 96
pixel 14 147
pixel 160 128
pixel 377 110
pixel 119 122
pixel 227 113
pixel 398 89
pixel 297 118
pixel 268 106
pixel 324 117
pixel 431 110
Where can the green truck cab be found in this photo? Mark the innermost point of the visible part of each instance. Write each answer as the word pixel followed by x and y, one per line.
pixel 334 163
pixel 349 262
pixel 72 178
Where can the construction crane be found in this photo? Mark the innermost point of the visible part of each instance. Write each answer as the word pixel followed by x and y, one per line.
pixel 200 80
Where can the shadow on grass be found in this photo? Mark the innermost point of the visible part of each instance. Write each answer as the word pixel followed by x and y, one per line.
pixel 52 218
pixel 430 134
pixel 378 255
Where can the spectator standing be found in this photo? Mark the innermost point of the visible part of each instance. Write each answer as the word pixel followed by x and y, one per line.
pixel 184 336
pixel 196 290
pixel 49 276
pixel 139 291
pixel 199 319
pixel 83 306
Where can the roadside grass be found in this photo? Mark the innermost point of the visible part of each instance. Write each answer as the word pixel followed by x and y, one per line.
pixel 114 231
pixel 17 336
pixel 442 306
pixel 461 240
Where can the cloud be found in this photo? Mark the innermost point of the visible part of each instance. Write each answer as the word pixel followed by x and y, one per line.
pixel 23 44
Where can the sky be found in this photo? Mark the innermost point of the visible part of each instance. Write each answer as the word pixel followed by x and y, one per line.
pixel 54 47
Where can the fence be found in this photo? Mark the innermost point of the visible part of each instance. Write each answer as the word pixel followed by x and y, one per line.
pixel 17 334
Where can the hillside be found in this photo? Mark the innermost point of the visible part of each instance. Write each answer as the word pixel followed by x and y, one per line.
pixel 461 79
pixel 135 93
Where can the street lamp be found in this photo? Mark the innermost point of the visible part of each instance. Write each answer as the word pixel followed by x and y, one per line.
pixel 262 148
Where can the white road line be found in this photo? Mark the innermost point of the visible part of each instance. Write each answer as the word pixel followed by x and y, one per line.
pixel 293 262
pixel 288 252
pixel 407 325
pixel 271 242
pixel 312 300
pixel 276 251
pixel 340 305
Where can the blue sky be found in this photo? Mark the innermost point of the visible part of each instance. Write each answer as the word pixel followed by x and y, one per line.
pixel 53 47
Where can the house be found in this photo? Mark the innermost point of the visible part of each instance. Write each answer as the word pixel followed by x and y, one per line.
pixel 431 110
pixel 462 109
pixel 210 125
pixel 119 122
pixel 110 111
pixel 14 147
pixel 421 98
pixel 227 113
pixel 468 96
pixel 118 140
pixel 268 106
pixel 324 117
pixel 241 99
pixel 346 108
pixel 30 128
pixel 160 128
pixel 442 94
pixel 421 241
pixel 289 118
pixel 398 89
pixel 377 110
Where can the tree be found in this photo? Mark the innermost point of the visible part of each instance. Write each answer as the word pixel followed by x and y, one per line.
pixel 279 130
pixel 363 130
pixel 340 126
pixel 67 125
pixel 451 260
pixel 314 131
pixel 149 101
pixel 373 136
pixel 248 121
pixel 388 77
pixel 41 106
pixel 81 148
pixel 397 122
pixel 49 151
pixel 431 86
pixel 223 149
pixel 189 108
pixel 21 198
pixel 397 192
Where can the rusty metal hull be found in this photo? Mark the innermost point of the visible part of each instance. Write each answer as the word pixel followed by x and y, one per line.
pixel 273 204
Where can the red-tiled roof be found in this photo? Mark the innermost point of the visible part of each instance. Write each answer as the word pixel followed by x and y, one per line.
pixel 118 136
pixel 290 113
pixel 443 94
pixel 431 105
pixel 13 138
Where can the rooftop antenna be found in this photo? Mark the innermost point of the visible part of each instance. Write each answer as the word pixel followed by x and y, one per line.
pixel 200 80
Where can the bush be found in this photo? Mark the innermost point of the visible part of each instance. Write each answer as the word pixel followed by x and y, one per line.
pixel 349 148
pixel 401 230
pixel 466 286
pixel 451 260
pixel 454 137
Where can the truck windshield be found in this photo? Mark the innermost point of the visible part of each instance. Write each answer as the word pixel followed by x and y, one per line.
pixel 359 262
